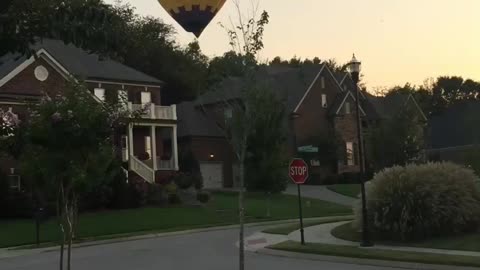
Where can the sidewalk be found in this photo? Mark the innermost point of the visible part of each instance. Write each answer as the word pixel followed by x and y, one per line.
pixel 322 234
pixel 321 193
pixel 258 242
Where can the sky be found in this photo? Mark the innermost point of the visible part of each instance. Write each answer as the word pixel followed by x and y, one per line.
pixel 398 41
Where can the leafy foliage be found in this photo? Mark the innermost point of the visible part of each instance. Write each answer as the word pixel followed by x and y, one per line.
pixel 397 140
pixel 68 151
pixel 266 162
pixel 421 201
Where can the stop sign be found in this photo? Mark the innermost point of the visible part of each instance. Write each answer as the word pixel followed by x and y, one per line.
pixel 298 171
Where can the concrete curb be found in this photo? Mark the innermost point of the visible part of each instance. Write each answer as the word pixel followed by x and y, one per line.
pixel 18 251
pixel 358 261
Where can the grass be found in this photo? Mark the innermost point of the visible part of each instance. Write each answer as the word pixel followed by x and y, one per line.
pixel 378 254
pixel 465 242
pixel 287 229
pixel 221 210
pixel 350 190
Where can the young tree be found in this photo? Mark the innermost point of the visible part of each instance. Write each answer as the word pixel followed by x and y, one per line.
pixel 69 145
pixel 246 39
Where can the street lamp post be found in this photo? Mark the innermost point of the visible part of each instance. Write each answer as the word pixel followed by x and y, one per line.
pixel 354 69
pixel 292 117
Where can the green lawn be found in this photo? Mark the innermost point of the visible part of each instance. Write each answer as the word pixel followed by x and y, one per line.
pixel 379 254
pixel 287 229
pixel 467 242
pixel 350 190
pixel 222 210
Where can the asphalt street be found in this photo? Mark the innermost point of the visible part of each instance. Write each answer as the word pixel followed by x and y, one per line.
pixel 214 250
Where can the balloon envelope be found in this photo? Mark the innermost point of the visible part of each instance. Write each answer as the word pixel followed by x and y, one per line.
pixel 193 15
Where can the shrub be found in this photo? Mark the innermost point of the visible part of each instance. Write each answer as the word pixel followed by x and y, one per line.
pixel 172 193
pixel 156 195
pixel 203 196
pixel 184 180
pixel 421 201
pixel 124 195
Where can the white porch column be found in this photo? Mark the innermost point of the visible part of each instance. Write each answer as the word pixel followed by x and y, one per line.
pixel 175 147
pixel 174 112
pixel 154 146
pixel 152 110
pixel 130 145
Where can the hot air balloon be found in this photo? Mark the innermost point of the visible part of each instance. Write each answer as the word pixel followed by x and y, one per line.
pixel 193 15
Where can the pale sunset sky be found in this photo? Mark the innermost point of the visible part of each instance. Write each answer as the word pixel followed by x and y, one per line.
pixel 398 41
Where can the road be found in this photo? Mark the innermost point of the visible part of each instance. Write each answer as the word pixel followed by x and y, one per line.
pixel 213 250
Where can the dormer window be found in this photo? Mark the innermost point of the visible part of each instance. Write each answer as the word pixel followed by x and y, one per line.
pixel 348 110
pixel 324 101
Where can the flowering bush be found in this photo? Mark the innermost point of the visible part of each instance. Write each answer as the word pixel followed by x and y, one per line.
pixel 8 122
pixel 420 201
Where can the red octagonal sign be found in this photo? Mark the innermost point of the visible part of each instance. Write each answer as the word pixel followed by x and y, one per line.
pixel 298 171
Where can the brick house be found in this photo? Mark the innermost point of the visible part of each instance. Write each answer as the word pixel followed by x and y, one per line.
pixel 323 101
pixel 148 145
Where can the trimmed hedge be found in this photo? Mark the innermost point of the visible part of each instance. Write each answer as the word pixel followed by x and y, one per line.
pixel 422 201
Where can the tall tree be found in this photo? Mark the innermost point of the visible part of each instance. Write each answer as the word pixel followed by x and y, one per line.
pixel 22 22
pixel 229 65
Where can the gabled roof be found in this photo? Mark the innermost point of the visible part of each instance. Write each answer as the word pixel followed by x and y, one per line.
pixel 79 63
pixel 390 105
pixel 193 122
pixel 291 85
pixel 340 101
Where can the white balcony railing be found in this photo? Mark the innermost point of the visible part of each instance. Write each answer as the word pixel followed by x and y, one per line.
pixel 152 111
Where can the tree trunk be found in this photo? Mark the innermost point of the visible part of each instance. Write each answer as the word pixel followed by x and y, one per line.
pixel 73 217
pixel 268 205
pixel 61 214
pixel 241 217
pixel 69 234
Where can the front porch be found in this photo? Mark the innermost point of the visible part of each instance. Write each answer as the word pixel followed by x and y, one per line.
pixel 149 148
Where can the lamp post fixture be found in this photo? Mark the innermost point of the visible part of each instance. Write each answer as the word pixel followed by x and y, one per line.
pixel 354 69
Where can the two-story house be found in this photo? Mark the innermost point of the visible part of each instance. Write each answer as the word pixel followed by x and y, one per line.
pixel 322 102
pixel 148 145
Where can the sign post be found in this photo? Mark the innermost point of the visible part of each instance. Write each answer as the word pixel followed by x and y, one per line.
pixel 298 172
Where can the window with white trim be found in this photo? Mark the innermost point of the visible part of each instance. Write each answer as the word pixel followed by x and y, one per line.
pixel 146 97
pixel 228 113
pixel 348 109
pixel 324 101
pixel 14 182
pixel 322 82
pixel 99 93
pixel 350 154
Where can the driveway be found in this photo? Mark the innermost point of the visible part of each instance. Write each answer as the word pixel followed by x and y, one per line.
pixel 322 193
